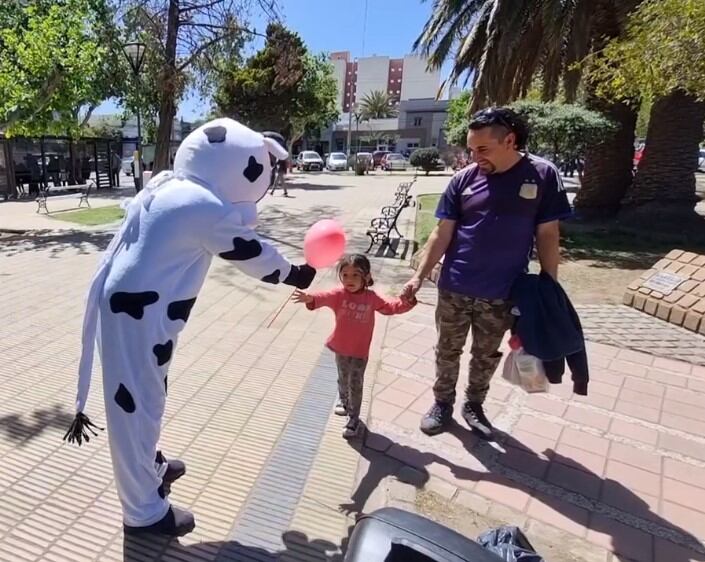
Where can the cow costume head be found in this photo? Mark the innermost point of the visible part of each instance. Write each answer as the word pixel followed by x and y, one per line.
pixel 231 160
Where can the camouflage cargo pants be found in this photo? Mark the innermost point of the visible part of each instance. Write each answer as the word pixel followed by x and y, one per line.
pixel 456 315
pixel 351 377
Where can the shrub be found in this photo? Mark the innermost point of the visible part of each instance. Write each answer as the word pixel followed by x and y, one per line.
pixel 425 158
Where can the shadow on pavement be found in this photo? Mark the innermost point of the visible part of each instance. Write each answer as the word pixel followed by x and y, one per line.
pixel 24 428
pixel 635 514
pixel 297 547
pixel 83 242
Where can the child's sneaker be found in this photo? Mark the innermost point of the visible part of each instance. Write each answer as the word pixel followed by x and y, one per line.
pixel 340 409
pixel 352 428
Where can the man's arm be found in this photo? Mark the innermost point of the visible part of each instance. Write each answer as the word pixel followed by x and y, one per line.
pixel 434 250
pixel 548 247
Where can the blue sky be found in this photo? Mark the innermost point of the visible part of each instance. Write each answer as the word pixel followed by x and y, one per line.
pixel 390 30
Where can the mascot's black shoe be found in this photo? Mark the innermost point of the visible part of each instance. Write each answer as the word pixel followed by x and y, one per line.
pixel 175 470
pixel 176 523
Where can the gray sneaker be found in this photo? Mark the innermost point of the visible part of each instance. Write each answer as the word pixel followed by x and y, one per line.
pixel 352 428
pixel 340 409
pixel 474 416
pixel 437 419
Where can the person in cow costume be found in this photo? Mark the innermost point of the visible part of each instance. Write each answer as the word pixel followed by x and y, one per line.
pixel 142 294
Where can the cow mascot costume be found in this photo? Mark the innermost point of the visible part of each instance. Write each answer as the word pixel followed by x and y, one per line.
pixel 141 296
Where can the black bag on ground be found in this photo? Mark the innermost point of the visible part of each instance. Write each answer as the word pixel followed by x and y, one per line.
pixel 510 544
pixel 394 535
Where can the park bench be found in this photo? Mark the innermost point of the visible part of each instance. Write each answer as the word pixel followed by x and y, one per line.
pixel 383 226
pixel 83 191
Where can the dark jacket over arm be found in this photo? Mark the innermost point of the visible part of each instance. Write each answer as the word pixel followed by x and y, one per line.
pixel 549 328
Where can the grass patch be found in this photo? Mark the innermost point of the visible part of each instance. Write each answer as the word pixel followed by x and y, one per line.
pixel 92 217
pixel 614 246
pixel 425 216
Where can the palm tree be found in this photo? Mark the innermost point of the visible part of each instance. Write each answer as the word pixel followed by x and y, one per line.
pixel 504 44
pixel 377 105
pixel 665 180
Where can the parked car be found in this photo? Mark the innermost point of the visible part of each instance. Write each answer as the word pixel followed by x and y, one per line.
pixel 394 161
pixel 309 160
pixel 701 160
pixel 377 157
pixel 638 153
pixel 126 165
pixel 337 161
pixel 365 157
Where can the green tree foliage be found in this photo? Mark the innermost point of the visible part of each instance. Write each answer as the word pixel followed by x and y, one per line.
pixel 189 42
pixel 661 51
pixel 503 45
pixel 282 87
pixel 425 158
pixel 456 125
pixel 377 105
pixel 562 131
pixel 56 61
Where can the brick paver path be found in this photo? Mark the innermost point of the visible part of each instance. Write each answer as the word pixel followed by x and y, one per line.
pixel 248 410
pixel 625 327
pixel 620 471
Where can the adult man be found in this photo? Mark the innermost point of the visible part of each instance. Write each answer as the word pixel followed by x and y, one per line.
pixel 489 216
pixel 279 167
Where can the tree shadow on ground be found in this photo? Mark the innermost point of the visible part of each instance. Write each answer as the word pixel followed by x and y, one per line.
pixel 297 546
pixel 82 242
pixel 23 428
pixel 501 467
pixel 610 245
pixel 302 184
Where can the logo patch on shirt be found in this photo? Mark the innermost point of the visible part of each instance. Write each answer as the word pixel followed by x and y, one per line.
pixel 529 191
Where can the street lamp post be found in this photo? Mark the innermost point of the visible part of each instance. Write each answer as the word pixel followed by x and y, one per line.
pixel 135 56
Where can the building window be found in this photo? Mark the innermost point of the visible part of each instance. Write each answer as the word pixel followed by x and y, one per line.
pixel 417 121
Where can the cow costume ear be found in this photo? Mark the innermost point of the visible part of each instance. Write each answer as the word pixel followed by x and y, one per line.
pixel 276 149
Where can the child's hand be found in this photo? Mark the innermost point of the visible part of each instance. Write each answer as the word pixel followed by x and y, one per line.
pixel 408 300
pixel 301 296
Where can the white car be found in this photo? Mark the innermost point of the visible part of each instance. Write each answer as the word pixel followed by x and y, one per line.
pixel 337 161
pixel 309 160
pixel 394 161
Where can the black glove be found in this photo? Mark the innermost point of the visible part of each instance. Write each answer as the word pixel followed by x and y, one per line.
pixel 301 276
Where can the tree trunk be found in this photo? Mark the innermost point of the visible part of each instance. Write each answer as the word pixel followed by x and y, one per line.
pixel 167 103
pixel 608 165
pixel 664 186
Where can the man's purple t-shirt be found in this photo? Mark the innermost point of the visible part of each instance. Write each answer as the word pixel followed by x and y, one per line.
pixel 497 216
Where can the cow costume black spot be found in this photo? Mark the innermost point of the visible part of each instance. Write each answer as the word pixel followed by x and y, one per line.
pixel 180 310
pixel 242 250
pixel 124 399
pixel 132 304
pixel 254 169
pixel 143 292
pixel 163 352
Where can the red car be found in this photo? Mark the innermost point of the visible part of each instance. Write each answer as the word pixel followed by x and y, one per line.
pixel 638 153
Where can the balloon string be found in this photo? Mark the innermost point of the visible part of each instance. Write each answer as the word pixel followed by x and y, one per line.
pixel 276 314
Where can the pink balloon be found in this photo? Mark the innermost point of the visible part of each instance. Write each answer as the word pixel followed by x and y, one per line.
pixel 324 244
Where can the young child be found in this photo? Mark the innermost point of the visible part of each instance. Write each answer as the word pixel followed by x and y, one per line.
pixel 354 305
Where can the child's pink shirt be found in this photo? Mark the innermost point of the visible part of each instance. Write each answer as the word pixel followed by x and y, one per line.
pixel 355 318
